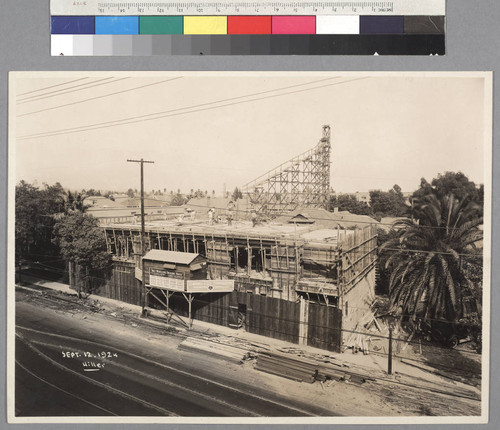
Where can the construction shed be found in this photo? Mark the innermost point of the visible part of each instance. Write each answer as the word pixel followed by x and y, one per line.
pixel 174 265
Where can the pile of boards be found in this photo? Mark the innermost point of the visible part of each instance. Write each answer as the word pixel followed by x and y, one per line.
pixel 213 348
pixel 301 370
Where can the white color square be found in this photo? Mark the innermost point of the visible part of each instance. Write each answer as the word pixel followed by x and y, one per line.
pixel 342 24
pixel 61 44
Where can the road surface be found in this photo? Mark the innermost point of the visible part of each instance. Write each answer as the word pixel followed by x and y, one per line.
pixel 73 365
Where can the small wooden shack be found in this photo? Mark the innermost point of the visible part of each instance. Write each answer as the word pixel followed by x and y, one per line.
pixel 163 268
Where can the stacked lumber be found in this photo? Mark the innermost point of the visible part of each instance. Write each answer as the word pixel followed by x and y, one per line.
pixel 302 370
pixel 215 349
pixel 287 367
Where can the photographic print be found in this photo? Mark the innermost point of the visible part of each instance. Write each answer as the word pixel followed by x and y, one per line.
pixel 271 247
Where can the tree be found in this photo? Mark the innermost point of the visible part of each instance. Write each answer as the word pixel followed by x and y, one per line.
pixel 93 192
pixel 83 246
pixel 452 182
pixel 435 259
pixel 348 202
pixel 36 211
pixel 130 193
pixel 388 203
pixel 75 202
pixel 178 200
pixel 237 194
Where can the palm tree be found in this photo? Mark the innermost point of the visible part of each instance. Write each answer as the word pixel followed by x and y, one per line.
pixel 434 260
pixel 75 202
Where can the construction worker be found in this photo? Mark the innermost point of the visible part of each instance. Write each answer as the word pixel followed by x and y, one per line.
pixel 230 207
pixel 211 212
pixel 254 218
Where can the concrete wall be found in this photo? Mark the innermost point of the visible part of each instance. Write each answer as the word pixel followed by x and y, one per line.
pixel 357 302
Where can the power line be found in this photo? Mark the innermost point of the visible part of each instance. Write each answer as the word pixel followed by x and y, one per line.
pixel 52 86
pixel 133 121
pixel 61 92
pixel 100 97
pixel 64 89
pixel 194 106
pixel 177 109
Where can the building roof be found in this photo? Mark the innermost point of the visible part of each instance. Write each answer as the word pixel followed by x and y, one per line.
pixel 135 202
pixel 100 202
pixel 322 217
pixel 171 256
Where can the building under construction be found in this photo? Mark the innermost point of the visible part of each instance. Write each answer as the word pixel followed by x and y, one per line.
pixel 306 276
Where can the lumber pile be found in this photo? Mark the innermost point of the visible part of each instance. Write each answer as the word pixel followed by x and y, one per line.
pixel 287 367
pixel 215 349
pixel 301 370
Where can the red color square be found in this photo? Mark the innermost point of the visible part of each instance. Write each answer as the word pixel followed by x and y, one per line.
pixel 248 25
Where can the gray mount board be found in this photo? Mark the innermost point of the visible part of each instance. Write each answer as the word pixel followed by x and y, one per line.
pixel 473 37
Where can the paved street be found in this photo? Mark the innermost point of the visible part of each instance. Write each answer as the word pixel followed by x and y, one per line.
pixel 70 366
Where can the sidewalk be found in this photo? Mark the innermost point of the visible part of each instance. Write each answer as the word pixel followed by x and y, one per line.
pixel 371 365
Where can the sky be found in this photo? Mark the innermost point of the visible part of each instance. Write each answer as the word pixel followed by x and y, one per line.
pixel 221 130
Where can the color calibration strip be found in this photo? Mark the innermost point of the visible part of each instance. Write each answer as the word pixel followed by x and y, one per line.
pixel 294 34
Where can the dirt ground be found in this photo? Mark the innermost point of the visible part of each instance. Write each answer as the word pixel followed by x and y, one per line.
pixel 402 394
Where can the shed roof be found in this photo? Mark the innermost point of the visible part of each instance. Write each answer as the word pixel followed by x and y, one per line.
pixel 170 256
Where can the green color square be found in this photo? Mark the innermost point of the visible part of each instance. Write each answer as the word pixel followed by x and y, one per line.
pixel 160 25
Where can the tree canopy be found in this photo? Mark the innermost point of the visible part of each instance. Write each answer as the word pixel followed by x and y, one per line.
pixel 348 202
pixel 82 242
pixel 455 183
pixel 36 212
pixel 389 203
pixel 435 259
pixel 237 194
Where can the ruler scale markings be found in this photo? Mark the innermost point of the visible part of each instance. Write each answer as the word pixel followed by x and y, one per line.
pixel 398 7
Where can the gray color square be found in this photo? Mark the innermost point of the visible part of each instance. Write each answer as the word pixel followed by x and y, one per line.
pixel 142 45
pixel 220 44
pixel 161 44
pixel 200 45
pixel 240 44
pixel 103 44
pixel 83 44
pixel 122 44
pixel 181 44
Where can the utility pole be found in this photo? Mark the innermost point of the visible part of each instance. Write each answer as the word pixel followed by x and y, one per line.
pixel 143 234
pixel 389 358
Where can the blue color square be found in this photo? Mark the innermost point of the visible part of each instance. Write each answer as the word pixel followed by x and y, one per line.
pixel 116 25
pixel 72 25
pixel 381 24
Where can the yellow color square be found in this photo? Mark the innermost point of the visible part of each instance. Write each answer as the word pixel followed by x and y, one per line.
pixel 205 25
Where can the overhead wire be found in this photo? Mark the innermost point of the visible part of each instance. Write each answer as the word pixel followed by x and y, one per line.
pixel 63 92
pixel 100 97
pixel 158 116
pixel 51 86
pixel 208 103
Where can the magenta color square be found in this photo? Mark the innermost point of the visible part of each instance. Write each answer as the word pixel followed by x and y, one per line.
pixel 294 25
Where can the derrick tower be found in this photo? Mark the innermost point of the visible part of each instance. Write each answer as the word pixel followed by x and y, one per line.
pixel 303 181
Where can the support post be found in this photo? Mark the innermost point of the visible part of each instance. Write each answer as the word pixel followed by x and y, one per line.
pixel 303 321
pixel 143 234
pixel 190 315
pixel 389 356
